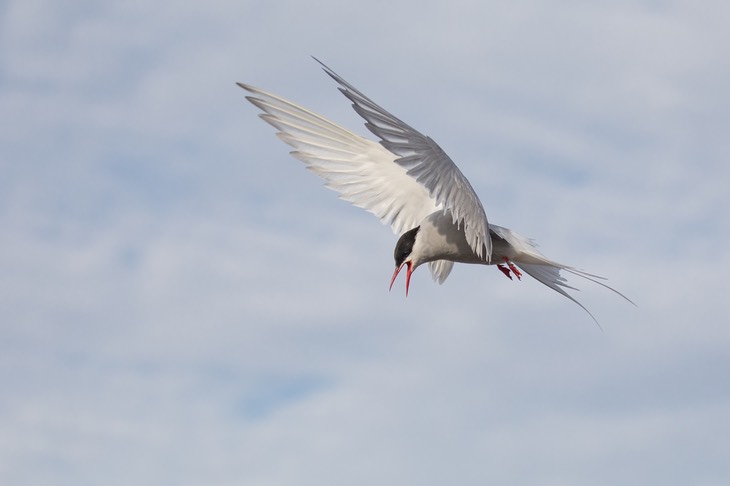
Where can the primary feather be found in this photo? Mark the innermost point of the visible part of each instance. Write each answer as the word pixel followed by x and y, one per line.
pixel 361 170
pixel 428 164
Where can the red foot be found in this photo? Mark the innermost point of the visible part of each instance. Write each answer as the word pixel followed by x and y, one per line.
pixel 504 270
pixel 512 267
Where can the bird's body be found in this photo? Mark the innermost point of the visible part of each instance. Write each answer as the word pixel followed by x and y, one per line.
pixel 440 239
pixel 410 183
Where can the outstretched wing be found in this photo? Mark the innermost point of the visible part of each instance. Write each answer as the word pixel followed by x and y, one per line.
pixel 361 170
pixel 427 164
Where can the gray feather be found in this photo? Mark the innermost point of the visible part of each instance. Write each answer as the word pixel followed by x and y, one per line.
pixel 427 163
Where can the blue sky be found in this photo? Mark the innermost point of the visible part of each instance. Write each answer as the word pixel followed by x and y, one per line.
pixel 182 303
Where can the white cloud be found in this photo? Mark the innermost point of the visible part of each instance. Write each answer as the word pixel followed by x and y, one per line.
pixel 183 303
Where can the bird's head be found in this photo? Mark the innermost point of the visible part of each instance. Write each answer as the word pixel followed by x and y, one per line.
pixel 403 255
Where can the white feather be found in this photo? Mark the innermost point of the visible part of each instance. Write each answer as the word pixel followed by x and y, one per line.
pixel 361 170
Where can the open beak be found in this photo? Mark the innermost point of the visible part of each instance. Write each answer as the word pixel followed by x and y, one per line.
pixel 409 271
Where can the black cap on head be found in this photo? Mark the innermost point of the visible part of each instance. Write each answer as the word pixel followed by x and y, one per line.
pixel 404 247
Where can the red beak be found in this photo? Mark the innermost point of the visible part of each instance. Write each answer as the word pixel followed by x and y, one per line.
pixel 408 275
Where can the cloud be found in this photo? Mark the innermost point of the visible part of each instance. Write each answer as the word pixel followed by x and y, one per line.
pixel 184 303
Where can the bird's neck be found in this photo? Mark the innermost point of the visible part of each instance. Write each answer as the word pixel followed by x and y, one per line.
pixel 440 239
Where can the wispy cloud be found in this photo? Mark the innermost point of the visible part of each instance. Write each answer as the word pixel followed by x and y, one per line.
pixel 183 303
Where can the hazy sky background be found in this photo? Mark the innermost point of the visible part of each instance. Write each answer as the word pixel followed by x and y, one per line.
pixel 182 303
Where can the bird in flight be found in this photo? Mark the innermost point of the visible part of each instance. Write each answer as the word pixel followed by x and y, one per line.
pixel 411 184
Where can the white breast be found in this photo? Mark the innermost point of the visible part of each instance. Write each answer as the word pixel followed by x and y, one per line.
pixel 440 239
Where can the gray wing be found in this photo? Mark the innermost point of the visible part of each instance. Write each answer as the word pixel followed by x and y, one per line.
pixel 440 269
pixel 361 170
pixel 426 162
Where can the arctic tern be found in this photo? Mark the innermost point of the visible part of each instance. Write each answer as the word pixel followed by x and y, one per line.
pixel 411 184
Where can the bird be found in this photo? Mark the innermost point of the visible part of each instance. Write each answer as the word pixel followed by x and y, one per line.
pixel 408 182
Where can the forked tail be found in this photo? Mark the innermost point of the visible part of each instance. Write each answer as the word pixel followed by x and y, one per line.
pixel 548 273
pixel 531 261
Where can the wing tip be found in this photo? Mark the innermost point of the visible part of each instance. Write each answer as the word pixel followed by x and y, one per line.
pixel 245 86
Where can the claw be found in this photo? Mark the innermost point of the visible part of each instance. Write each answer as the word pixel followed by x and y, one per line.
pixel 512 267
pixel 504 270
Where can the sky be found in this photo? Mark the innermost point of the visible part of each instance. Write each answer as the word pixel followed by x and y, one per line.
pixel 182 303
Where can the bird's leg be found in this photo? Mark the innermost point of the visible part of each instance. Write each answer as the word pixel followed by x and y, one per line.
pixel 504 270
pixel 512 267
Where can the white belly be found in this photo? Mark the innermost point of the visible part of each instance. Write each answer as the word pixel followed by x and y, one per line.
pixel 446 241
